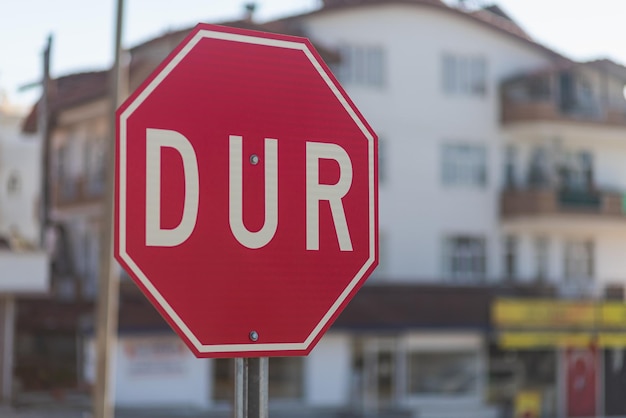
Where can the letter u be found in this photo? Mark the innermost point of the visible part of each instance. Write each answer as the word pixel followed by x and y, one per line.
pixel 263 236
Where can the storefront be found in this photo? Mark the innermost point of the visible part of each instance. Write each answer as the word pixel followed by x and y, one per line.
pixel 571 353
pixel 393 350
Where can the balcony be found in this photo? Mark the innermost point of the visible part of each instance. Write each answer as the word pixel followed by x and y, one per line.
pixel 560 96
pixel 546 110
pixel 78 190
pixel 598 204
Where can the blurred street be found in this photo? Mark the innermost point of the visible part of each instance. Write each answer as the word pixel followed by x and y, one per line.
pixel 60 411
pixel 78 405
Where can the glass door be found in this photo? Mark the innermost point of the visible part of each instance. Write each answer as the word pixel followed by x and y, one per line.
pixel 379 374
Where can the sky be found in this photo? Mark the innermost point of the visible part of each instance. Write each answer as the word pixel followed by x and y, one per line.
pixel 83 30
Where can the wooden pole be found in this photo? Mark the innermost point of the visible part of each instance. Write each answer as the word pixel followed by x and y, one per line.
pixel 108 295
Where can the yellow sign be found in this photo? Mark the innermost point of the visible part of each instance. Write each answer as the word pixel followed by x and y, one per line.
pixel 535 340
pixel 542 323
pixel 613 315
pixel 558 314
pixel 544 314
pixel 612 340
pixel 528 404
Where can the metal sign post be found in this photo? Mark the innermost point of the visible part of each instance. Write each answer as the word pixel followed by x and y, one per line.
pixel 251 384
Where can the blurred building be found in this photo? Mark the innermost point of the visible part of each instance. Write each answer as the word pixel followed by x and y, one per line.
pixel 502 224
pixel 23 263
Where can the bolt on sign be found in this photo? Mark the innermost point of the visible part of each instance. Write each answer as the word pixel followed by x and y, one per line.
pixel 246 204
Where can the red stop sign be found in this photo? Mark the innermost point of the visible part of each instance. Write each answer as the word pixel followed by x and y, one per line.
pixel 246 202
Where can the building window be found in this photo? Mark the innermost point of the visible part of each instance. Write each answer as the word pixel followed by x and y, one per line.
pixel 464 165
pixel 92 250
pixel 539 171
pixel 576 171
pixel 452 373
pixel 579 260
pixel 539 88
pixel 67 182
pixel 541 258
pixel 14 184
pixel 286 376
pixel 510 257
pixel 586 166
pixel 465 257
pixel 96 171
pixel 362 65
pixel 464 75
pixel 86 248
pixel 223 379
pixel 510 162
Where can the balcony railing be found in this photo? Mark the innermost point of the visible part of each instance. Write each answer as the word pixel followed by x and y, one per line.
pixel 554 96
pixel 78 190
pixel 545 110
pixel 537 202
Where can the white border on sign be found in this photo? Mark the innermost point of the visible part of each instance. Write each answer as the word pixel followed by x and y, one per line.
pixel 252 347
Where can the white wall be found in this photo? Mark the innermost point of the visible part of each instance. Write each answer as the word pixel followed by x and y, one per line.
pixel 19 156
pixel 415 117
pixel 328 372
pixel 22 272
pixel 25 269
pixel 158 371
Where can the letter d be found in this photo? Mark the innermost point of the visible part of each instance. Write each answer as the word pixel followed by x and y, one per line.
pixel 155 235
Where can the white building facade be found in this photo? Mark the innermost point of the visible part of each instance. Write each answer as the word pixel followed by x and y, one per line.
pixel 500 175
pixel 436 108
pixel 500 166
pixel 23 263
pixel 427 78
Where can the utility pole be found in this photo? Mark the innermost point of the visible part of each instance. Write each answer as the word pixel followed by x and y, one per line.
pixel 43 121
pixel 108 295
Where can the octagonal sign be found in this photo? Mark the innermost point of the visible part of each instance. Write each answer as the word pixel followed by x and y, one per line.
pixel 246 201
